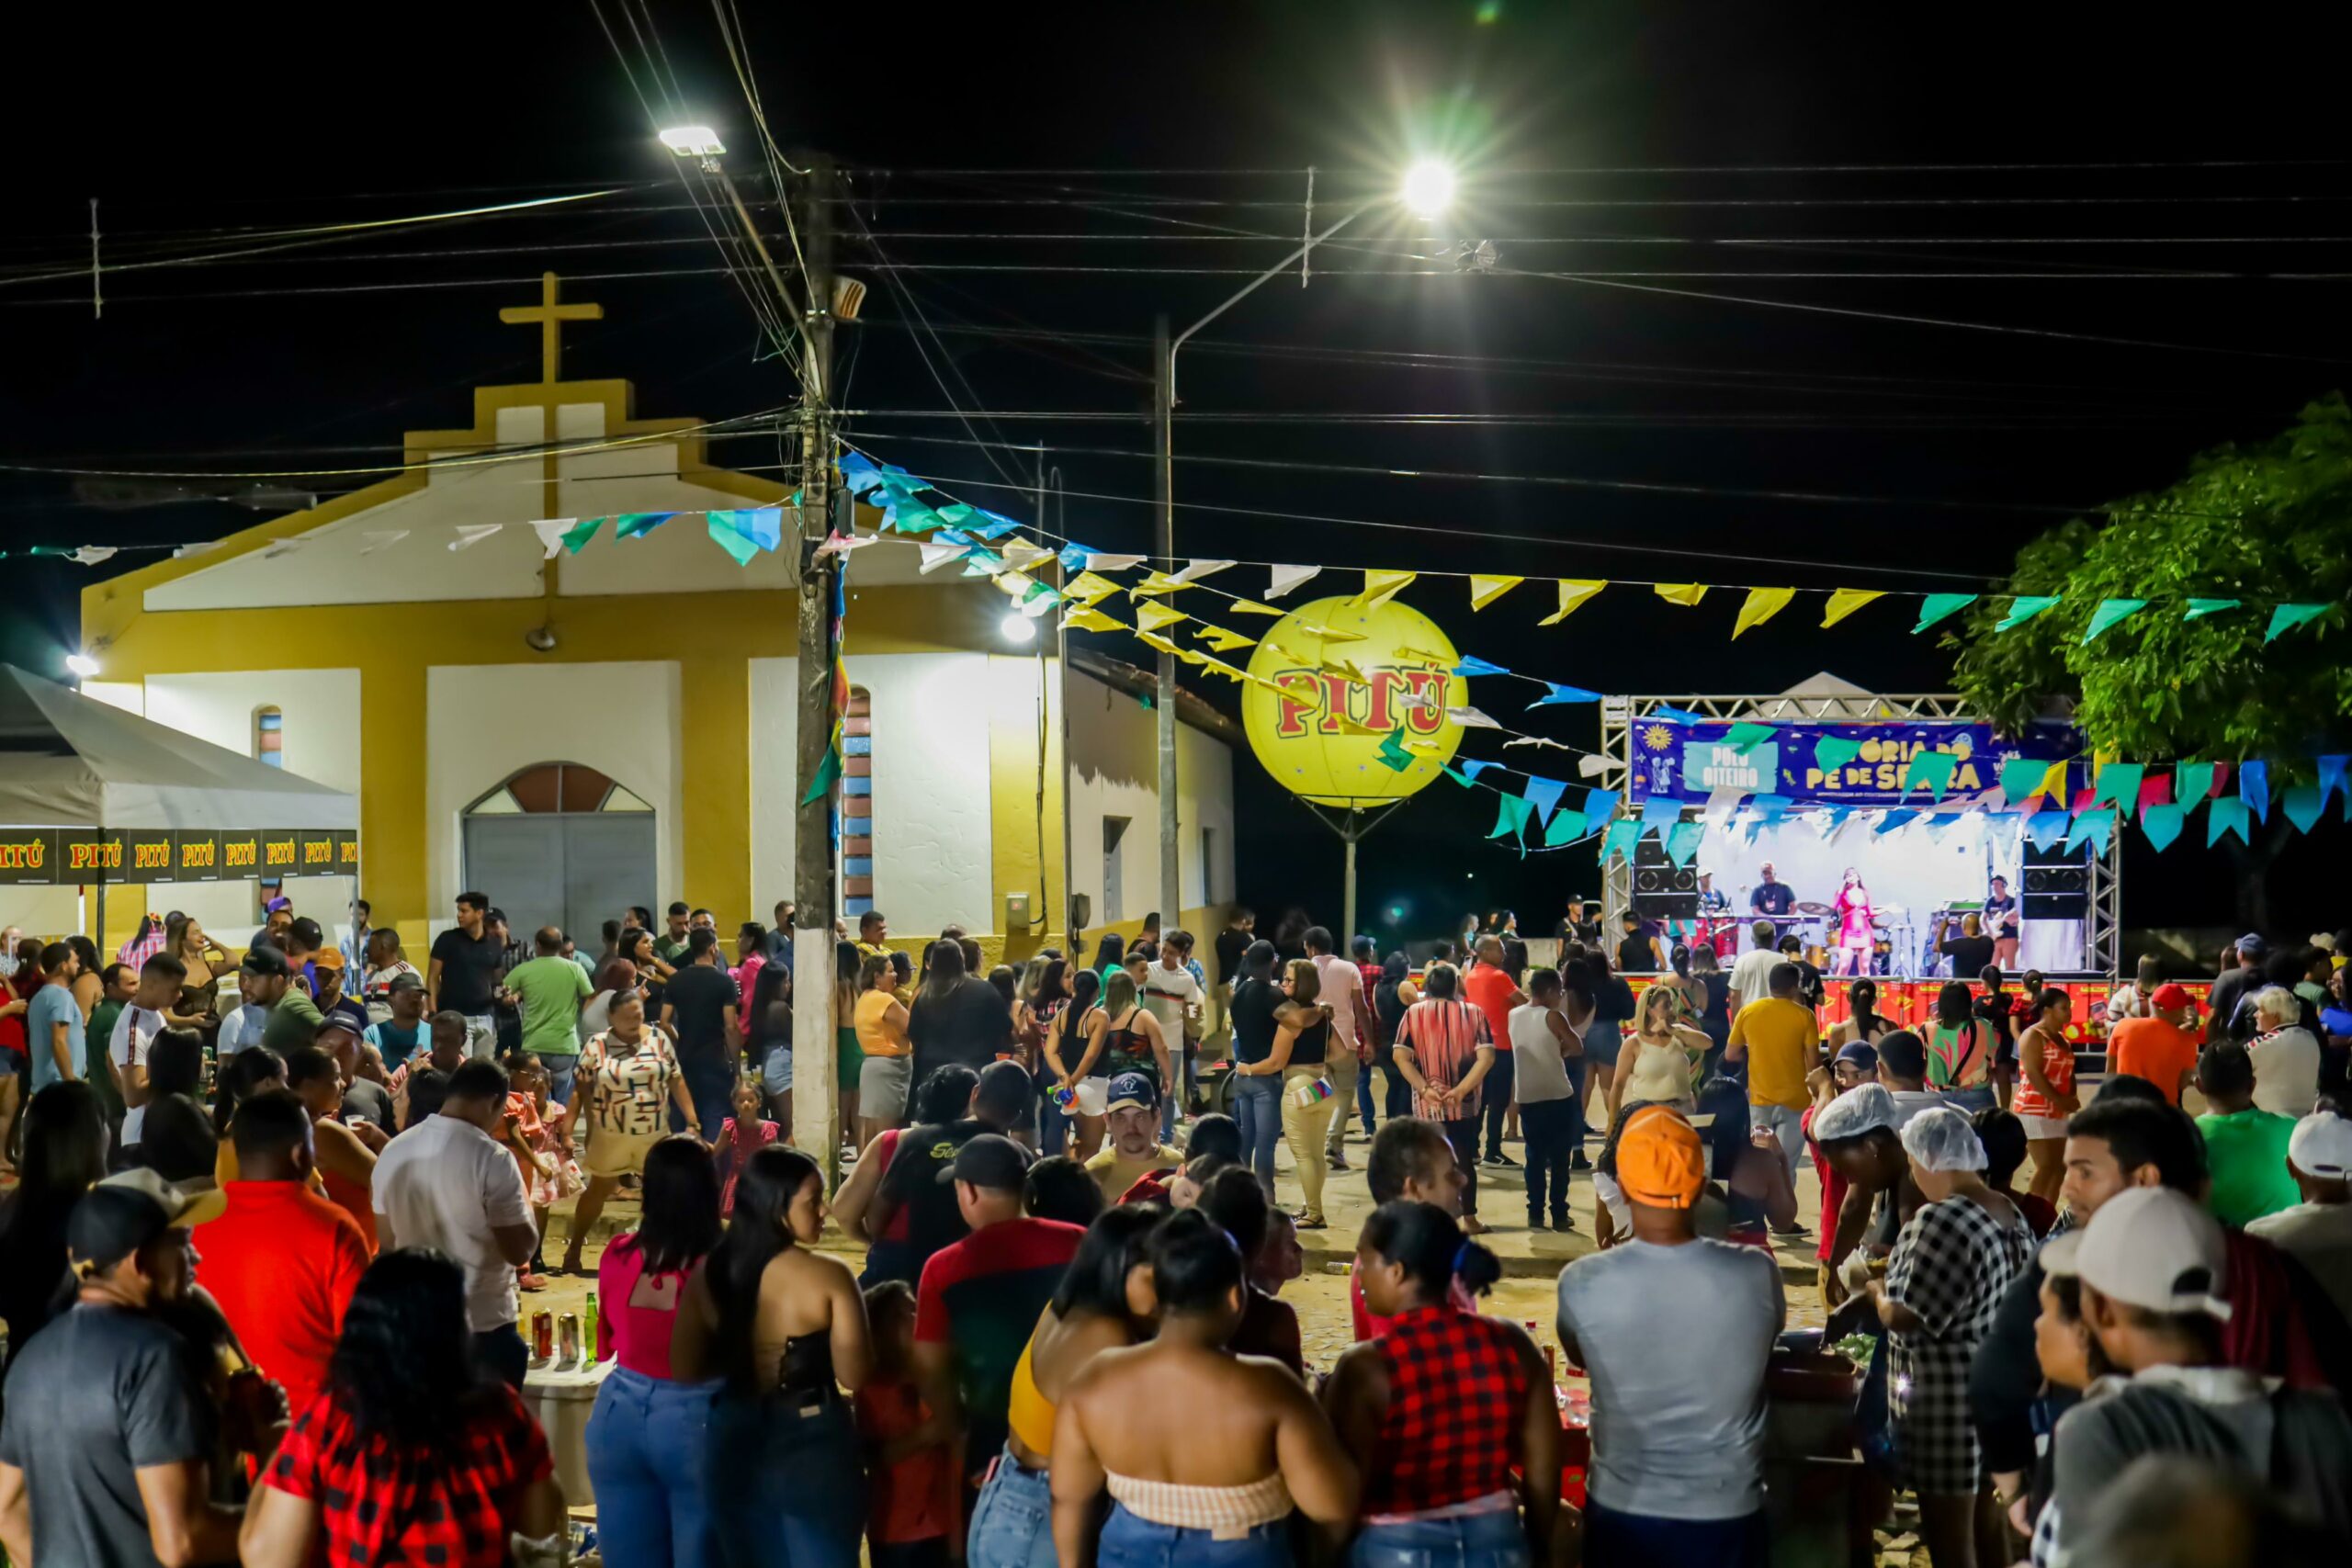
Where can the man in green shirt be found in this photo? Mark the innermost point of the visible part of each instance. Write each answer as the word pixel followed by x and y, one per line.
pixel 2246 1147
pixel 549 988
pixel 121 980
pixel 671 947
pixel 293 1019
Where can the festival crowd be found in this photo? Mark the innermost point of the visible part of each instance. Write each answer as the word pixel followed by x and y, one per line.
pixel 263 1266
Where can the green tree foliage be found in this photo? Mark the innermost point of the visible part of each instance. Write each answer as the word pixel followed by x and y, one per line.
pixel 2269 522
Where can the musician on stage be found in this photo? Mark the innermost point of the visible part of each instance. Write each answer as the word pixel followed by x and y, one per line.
pixel 1771 897
pixel 2001 923
pixel 1855 933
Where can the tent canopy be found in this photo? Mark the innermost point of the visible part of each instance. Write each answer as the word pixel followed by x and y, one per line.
pixel 69 760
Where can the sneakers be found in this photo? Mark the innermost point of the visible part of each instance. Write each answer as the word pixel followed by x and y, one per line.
pixel 1561 1221
pixel 1577 1161
pixel 1536 1221
pixel 1336 1158
pixel 1502 1160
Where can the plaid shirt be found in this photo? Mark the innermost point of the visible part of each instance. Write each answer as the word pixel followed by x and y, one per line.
pixel 438 1506
pixel 1457 1391
pixel 139 950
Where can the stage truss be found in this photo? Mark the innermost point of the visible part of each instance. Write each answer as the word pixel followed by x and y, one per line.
pixel 1620 716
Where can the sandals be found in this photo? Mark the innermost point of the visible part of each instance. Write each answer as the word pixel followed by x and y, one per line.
pixel 1309 1223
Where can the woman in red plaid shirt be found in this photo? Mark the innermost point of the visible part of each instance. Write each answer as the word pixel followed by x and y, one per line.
pixel 411 1453
pixel 1441 1410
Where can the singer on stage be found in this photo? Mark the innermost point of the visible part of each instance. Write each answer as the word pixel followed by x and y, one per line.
pixel 1855 932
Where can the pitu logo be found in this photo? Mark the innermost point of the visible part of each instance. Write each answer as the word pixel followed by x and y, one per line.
pixel 26 856
pixel 1322 699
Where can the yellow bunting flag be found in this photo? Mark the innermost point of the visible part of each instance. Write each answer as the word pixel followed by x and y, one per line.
pixel 1485 591
pixel 1761 606
pixel 1013 583
pixel 1329 634
pixel 1845 601
pixel 1251 607
pixel 1156 582
pixel 1574 591
pixel 1087 618
pixel 1154 639
pixel 1192 656
pixel 1086 588
pixel 2054 785
pixel 1221 639
pixel 1379 587
pixel 1687 594
pixel 1151 614
pixel 1349 668
pixel 1219 666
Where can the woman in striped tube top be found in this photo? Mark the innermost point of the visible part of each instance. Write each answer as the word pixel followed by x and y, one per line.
pixel 1205 1453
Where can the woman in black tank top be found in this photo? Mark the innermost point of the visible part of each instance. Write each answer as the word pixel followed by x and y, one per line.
pixel 1304 1101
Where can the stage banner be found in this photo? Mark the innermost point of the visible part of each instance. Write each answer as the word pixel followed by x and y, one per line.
pixel 49 857
pixel 1691 761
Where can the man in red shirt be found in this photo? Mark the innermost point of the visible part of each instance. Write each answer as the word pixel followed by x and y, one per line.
pixel 282 1261
pixel 2161 1048
pixel 1487 987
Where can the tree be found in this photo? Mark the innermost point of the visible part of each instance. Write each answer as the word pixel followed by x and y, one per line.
pixel 2266 524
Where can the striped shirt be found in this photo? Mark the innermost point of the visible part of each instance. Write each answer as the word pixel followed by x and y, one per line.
pixel 1444 1034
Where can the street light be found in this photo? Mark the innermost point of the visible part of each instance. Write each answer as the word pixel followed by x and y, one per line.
pixel 1017 627
pixel 1427 190
pixel 693 141
pixel 82 665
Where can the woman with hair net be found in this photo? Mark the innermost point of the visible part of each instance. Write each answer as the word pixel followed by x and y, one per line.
pixel 1952 1266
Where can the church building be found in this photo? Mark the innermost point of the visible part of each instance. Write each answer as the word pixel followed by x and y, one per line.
pixel 573 733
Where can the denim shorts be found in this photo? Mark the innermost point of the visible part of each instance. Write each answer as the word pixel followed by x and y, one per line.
pixel 1131 1542
pixel 776 1070
pixel 1472 1540
pixel 1013 1524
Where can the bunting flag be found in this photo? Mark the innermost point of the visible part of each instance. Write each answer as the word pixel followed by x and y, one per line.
pixel 994 525
pixel 1685 594
pixel 2110 613
pixel 2162 824
pixel 1193 570
pixel 1329 634
pixel 736 543
pixel 1485 591
pixel 580 533
pixel 1682 842
pixel 1281 579
pixel 2047 828
pixel 1472 665
pixel 1379 587
pixel 1830 818
pixel 2302 804
pixel 1470 718
pixel 936 556
pixel 1102 561
pixel 1899 817
pixel 1151 614
pixel 383 538
pixel 1665 714
pixel 2226 815
pixel 1592 764
pixel 1932 769
pixel 1660 812
pixel 1747 737
pixel 1251 607
pixel 1600 804
pixel 1845 601
pixel 1543 795
pixel 1760 605
pixel 2155 789
pixel 1021 554
pixel 2119 786
pixel 2287 617
pixel 1574 591
pixel 1219 638
pixel 2331 775
pixel 2254 788
pixel 1156 582
pixel 1554 692
pixel 1832 752
pixel 1392 755
pixel 2200 608
pixel 550 532
pixel 1153 639
pixel 1619 844
pixel 2022 778
pixel 1942 606
pixel 2023 608
pixel 1566 827
pixel 472 533
pixel 2094 826
pixel 636 525
pixel 2192 783
pixel 1087 588
pixel 1769 809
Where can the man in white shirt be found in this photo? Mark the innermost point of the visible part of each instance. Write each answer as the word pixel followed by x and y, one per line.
pixel 1175 997
pixel 382 964
pixel 135 1029
pixel 1751 976
pixel 449 1183
pixel 1341 990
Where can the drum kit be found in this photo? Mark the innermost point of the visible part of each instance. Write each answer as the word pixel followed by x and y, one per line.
pixel 1891 932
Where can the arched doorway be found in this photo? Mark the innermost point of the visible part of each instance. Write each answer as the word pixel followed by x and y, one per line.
pixel 562 844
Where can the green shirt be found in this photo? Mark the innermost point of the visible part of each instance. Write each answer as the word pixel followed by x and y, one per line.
pixel 670 950
pixel 2246 1152
pixel 293 1022
pixel 552 989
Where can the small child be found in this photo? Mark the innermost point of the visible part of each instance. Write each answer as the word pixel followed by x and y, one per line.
pixel 537 1129
pixel 744 1134
pixel 910 1500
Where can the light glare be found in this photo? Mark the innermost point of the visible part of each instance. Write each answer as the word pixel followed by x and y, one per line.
pixel 1429 188
pixel 693 141
pixel 82 664
pixel 1018 627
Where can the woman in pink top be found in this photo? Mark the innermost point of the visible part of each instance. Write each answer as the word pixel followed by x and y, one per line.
pixel 645 1438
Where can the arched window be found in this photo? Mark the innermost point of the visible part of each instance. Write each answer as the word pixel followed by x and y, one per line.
pixel 546 787
pixel 857 804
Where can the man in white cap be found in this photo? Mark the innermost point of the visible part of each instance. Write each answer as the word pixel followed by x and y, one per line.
pixel 2153 1266
pixel 2317 1232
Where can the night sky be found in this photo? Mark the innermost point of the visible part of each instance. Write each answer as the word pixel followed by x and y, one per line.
pixel 1606 140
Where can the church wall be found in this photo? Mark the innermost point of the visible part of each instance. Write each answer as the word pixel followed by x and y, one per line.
pixel 1114 772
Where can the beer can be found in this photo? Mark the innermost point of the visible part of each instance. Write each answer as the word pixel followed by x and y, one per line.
pixel 568 1336
pixel 542 1336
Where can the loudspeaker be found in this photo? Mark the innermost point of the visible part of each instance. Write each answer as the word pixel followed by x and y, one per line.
pixel 2057 883
pixel 1663 891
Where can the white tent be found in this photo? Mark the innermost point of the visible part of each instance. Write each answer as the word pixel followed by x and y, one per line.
pixel 68 761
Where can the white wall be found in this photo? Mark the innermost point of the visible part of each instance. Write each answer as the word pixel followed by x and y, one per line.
pixel 482 723
pixel 322 734
pixel 1114 756
pixel 934 845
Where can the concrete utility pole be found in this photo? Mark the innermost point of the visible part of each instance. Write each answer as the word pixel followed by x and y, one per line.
pixel 1163 544
pixel 816 1119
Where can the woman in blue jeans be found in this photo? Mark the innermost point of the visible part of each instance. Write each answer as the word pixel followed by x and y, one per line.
pixel 785 1328
pixel 1263 1017
pixel 646 1434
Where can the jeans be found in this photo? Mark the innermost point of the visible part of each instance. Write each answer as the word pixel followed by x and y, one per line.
pixel 1053 1126
pixel 1346 1075
pixel 481 1036
pixel 1363 1101
pixel 1013 1524
pixel 1258 1109
pixel 1551 1128
pixel 501 1352
pixel 646 1439
pixel 787 1489
pixel 1130 1543
pixel 1475 1541
pixel 1613 1537
pixel 1786 1125
pixel 1969 1101
pixel 559 1071
pixel 1494 1099
pixel 1307 1128
pixel 1464 1136
pixel 710 1084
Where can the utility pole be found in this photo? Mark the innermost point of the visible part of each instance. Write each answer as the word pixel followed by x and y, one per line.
pixel 1163 415
pixel 816 1118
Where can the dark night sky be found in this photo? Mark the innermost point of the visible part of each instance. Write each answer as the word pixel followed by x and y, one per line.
pixel 199 134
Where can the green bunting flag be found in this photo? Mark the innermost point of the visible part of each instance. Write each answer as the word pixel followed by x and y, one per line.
pixel 636 525
pixel 1932 769
pixel 724 535
pixel 2119 786
pixel 1747 737
pixel 2192 783
pixel 2023 608
pixel 829 772
pixel 1619 844
pixel 2287 617
pixel 2200 608
pixel 2228 814
pixel 2109 612
pixel 2162 824
pixel 2303 805
pixel 1392 753
pixel 1512 814
pixel 1565 827
pixel 1682 842
pixel 2021 778
pixel 1940 606
pixel 580 533
pixel 1832 752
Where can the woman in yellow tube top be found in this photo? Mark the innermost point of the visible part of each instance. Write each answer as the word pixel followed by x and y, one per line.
pixel 1200 1451
pixel 1096 1309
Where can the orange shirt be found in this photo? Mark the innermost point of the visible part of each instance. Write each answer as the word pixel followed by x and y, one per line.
pixel 2155 1049
pixel 282 1262
pixel 1488 989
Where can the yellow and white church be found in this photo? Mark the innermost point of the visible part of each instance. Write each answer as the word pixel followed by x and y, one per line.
pixel 574 733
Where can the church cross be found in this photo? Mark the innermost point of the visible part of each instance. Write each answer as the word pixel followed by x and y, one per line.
pixel 549 317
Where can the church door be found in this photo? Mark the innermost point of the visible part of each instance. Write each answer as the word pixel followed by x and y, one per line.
pixel 561 844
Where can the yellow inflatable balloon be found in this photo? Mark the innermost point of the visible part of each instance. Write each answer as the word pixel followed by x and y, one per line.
pixel 1345 705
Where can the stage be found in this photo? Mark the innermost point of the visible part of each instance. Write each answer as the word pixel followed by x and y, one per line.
pixel 1813 782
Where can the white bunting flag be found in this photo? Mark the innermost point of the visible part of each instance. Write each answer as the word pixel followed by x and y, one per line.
pixel 1281 579
pixel 472 533
pixel 550 533
pixel 936 556
pixel 202 546
pixel 1193 570
pixel 841 544
pixel 380 538
pixel 1098 561
pixel 1470 718
pixel 91 555
pixel 1592 764
pixel 1536 741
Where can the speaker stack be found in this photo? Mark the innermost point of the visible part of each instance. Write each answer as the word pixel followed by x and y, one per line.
pixel 1662 890
pixel 2057 883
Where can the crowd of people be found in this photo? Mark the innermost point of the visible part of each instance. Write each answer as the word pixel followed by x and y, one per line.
pixel 275 1319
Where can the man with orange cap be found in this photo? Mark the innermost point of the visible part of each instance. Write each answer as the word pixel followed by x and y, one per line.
pixel 1677 1438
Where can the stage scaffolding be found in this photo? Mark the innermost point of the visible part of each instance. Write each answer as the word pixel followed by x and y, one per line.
pixel 1620 716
